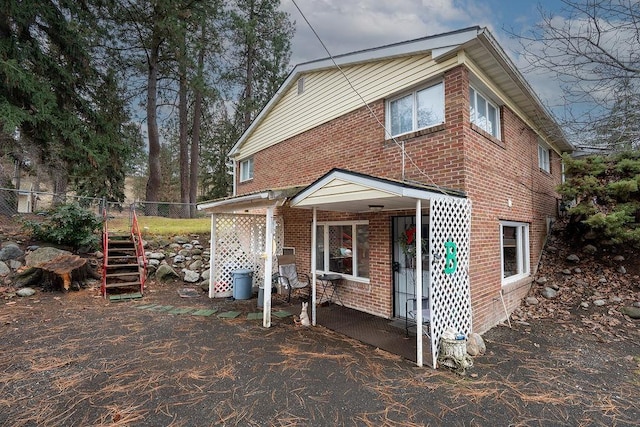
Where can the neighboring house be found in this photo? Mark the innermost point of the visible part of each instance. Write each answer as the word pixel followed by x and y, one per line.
pixel 355 144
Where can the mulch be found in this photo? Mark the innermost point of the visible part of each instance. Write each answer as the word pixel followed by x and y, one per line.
pixel 75 359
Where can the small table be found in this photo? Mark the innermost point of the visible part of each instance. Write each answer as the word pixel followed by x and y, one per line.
pixel 330 281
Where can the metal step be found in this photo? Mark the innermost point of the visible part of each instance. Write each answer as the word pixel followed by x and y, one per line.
pixel 123 274
pixel 122 285
pixel 122 266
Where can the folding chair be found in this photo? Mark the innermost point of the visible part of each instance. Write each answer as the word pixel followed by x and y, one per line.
pixel 289 277
pixel 412 313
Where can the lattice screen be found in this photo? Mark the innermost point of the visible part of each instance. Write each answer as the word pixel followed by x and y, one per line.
pixel 240 243
pixel 449 241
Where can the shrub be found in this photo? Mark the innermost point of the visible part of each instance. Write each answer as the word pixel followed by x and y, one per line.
pixel 606 196
pixel 68 225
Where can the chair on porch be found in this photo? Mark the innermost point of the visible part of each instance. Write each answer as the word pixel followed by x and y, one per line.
pixel 412 313
pixel 289 277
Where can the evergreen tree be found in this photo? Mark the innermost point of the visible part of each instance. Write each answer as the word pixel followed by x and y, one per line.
pixel 52 91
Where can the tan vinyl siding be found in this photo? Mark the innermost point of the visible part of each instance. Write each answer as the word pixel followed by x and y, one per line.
pixel 340 191
pixel 327 95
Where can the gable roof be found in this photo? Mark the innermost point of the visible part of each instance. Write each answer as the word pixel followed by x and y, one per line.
pixel 347 191
pixel 478 45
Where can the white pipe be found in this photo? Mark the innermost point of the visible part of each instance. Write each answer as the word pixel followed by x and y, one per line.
pixel 419 282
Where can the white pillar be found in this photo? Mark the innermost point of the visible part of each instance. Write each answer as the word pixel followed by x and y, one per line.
pixel 212 256
pixel 268 266
pixel 419 282
pixel 314 238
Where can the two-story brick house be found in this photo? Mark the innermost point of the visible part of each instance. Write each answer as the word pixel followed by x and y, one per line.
pixel 349 148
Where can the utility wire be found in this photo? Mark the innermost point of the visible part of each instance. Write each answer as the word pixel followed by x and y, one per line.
pixel 366 104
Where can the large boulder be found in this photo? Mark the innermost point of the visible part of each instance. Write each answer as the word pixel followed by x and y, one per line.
pixel 166 272
pixel 4 269
pixel 476 345
pixel 10 251
pixel 632 312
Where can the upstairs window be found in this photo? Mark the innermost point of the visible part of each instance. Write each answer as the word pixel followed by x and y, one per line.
pixel 417 110
pixel 544 154
pixel 246 169
pixel 484 113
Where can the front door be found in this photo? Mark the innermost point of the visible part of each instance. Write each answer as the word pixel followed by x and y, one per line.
pixel 403 262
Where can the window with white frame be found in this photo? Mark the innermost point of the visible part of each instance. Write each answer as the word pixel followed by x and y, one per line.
pixel 484 113
pixel 246 169
pixel 514 244
pixel 343 247
pixel 417 110
pixel 544 154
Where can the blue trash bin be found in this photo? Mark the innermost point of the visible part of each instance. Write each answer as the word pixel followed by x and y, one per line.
pixel 242 283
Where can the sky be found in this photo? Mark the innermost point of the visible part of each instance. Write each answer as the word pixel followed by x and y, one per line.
pixel 349 25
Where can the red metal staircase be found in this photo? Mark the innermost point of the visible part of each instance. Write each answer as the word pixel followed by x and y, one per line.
pixel 124 267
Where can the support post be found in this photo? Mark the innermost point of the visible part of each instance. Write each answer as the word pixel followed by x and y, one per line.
pixel 268 266
pixel 314 238
pixel 212 256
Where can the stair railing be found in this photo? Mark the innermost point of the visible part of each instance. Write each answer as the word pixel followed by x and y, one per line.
pixel 140 255
pixel 105 251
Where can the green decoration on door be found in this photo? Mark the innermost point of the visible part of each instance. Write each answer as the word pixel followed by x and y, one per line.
pixel 451 257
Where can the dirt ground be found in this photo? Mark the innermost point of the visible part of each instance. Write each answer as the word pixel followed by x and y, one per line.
pixel 74 359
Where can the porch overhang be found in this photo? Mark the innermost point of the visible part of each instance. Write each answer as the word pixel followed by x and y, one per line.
pixel 346 191
pixel 248 202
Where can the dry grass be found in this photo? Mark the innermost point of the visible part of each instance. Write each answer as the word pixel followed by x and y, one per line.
pixel 161 226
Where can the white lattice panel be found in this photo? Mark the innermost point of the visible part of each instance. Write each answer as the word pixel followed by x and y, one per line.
pixel 240 243
pixel 449 241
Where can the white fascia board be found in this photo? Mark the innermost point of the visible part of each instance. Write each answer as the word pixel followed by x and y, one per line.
pixel 234 200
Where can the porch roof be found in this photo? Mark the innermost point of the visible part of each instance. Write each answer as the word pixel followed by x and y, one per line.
pixel 258 200
pixel 347 191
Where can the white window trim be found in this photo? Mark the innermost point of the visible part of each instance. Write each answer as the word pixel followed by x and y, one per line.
pixel 415 110
pixel 544 157
pixel 325 244
pixel 243 164
pixel 487 99
pixel 522 232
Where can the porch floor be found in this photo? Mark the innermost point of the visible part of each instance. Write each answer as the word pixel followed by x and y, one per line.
pixel 386 334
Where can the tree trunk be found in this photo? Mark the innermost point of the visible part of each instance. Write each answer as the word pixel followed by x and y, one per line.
pixel 195 132
pixel 153 183
pixel 183 139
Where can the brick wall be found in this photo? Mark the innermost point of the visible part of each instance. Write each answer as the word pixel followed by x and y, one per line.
pixel 454 155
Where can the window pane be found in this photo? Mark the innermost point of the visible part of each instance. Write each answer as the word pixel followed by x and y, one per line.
pixel 481 114
pixel 492 121
pixel 472 105
pixel 431 106
pixel 401 112
pixel 341 249
pixel 320 247
pixel 509 251
pixel 362 255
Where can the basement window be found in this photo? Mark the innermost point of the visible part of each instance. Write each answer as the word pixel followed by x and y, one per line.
pixel 514 245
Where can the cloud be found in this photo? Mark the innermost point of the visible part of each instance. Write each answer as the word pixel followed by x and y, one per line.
pixel 347 26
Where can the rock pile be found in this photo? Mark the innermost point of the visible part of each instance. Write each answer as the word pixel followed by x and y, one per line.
pixel 182 257
pixel 600 284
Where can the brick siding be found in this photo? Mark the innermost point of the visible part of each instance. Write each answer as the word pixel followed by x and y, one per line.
pixel 455 155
